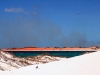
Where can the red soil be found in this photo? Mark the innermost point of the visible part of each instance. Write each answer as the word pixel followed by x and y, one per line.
pixel 51 49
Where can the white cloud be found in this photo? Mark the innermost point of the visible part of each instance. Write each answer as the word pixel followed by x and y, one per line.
pixel 14 10
pixel 27 13
pixel 18 10
pixel 35 13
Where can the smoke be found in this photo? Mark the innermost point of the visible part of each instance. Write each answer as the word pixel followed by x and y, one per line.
pixel 77 39
pixel 22 32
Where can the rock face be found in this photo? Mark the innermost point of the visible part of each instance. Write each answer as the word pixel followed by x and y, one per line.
pixel 9 61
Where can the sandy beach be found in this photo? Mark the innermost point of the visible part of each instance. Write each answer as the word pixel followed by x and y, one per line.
pixel 87 64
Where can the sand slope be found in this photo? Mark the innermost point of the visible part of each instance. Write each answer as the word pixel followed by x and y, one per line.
pixel 8 61
pixel 88 64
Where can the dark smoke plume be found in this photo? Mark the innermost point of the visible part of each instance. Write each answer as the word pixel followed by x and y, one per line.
pixel 22 32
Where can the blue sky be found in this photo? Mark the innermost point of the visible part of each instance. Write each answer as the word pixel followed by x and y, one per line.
pixel 49 23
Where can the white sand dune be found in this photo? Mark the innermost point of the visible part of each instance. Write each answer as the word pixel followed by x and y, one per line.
pixel 8 61
pixel 88 64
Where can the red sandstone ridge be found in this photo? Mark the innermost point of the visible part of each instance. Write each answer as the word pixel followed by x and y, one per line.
pixel 93 48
